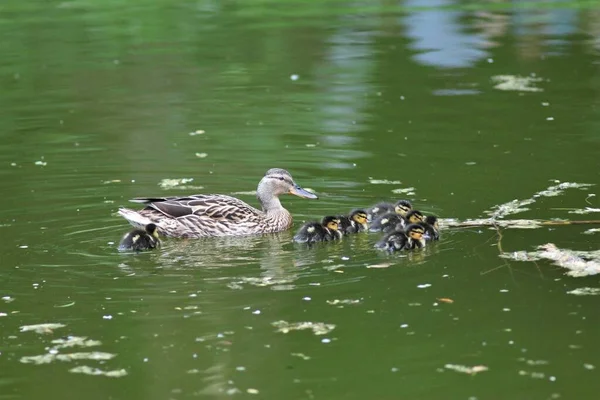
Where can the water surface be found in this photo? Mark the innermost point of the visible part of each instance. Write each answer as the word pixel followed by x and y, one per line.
pixel 357 100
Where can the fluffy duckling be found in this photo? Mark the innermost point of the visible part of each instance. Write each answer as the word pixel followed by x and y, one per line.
pixel 394 221
pixel 387 223
pixel 354 222
pixel 432 229
pixel 138 239
pixel 324 231
pixel 409 239
pixel 379 209
pixel 402 207
pixel 414 217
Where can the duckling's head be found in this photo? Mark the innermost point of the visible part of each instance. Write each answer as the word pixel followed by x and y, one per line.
pixel 415 231
pixel 359 216
pixel 330 222
pixel 152 230
pixel 278 181
pixel 403 207
pixel 414 217
pixel 433 221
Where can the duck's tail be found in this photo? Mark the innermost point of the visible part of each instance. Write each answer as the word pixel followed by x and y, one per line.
pixel 134 218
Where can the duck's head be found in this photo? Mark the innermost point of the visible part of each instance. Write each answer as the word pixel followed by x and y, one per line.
pixel 414 217
pixel 402 207
pixel 152 230
pixel 433 221
pixel 360 217
pixel 415 231
pixel 330 222
pixel 278 181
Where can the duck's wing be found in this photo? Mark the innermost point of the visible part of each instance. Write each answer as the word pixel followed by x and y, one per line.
pixel 212 206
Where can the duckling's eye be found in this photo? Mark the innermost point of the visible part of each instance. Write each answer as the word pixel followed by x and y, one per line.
pixel 281 178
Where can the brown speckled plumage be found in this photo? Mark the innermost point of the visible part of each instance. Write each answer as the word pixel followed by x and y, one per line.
pixel 220 215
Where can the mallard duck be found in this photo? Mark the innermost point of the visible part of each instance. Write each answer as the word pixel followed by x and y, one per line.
pixel 220 215
pixel 408 239
pixel 323 231
pixel 432 229
pixel 390 222
pixel 139 239
pixel 402 207
pixel 354 222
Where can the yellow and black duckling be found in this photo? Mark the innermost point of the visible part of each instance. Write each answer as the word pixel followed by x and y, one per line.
pixel 401 207
pixel 411 238
pixel 138 240
pixel 354 222
pixel 325 231
pixel 432 228
pixel 394 222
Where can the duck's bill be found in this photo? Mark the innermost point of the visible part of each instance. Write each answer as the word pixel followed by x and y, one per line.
pixel 298 191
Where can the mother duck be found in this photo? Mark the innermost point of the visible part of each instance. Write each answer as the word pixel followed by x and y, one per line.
pixel 204 215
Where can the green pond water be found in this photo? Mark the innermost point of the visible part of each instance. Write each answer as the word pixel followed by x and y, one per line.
pixel 360 101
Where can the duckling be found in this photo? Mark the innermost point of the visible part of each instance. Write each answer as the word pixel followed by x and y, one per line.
pixel 402 207
pixel 432 229
pixel 389 222
pixel 139 239
pixel 354 222
pixel 397 240
pixel 414 217
pixel 324 231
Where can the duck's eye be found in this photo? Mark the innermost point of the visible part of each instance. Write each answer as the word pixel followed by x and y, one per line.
pixel 281 178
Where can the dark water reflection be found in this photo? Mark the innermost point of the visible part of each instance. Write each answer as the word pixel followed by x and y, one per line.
pixel 101 102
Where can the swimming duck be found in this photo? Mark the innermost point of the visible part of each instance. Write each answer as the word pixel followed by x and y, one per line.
pixel 402 207
pixel 220 215
pixel 432 229
pixel 139 239
pixel 324 231
pixel 409 239
pixel 389 222
pixel 354 222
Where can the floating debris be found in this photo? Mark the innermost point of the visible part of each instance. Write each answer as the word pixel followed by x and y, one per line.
pixel 382 265
pixel 301 355
pixel 445 300
pixel 466 370
pixel 579 263
pixel 84 369
pixel 591 231
pixel 344 302
pixel 252 391
pixel 41 328
pixel 517 206
pixel 41 163
pixel 516 83
pixel 198 132
pixel 587 210
pixel 111 181
pixel 72 341
pixel 512 207
pixel 411 191
pixel 585 291
pixel 8 299
pixel 318 328
pixel 383 182
pixel 180 183
pixel 50 357
pixel 201 155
